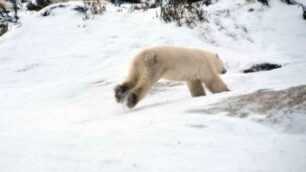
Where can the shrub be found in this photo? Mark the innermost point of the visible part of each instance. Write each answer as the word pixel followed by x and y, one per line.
pixel 183 13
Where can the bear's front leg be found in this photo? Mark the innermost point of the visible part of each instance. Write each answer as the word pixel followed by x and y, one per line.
pixel 217 85
pixel 196 88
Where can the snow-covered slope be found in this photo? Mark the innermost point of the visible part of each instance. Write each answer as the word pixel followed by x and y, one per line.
pixel 58 112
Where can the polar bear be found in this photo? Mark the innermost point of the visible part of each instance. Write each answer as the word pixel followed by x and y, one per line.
pixel 195 66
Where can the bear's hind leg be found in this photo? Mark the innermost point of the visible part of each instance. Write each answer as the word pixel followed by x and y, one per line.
pixel 217 85
pixel 196 88
pixel 122 90
pixel 141 89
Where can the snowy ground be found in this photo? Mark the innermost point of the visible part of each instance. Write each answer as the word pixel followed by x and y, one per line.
pixel 58 112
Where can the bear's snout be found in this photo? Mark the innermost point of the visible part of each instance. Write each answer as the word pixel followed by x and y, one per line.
pixel 224 71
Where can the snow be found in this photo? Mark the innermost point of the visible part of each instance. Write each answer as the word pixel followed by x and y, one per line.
pixel 58 112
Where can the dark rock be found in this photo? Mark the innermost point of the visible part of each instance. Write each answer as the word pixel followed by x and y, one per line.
pixel 262 67
pixel 80 9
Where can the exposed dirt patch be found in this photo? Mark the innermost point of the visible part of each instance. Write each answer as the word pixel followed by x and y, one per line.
pixel 285 108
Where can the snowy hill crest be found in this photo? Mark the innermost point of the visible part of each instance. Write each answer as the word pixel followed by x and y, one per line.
pixel 58 111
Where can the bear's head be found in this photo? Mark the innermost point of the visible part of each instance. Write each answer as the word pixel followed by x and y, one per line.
pixel 219 65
